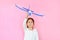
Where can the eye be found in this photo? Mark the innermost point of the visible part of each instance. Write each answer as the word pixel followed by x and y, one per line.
pixel 29 22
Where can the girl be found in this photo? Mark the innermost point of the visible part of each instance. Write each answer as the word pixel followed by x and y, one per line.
pixel 29 30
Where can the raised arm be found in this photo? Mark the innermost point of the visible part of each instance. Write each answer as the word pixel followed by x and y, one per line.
pixel 24 22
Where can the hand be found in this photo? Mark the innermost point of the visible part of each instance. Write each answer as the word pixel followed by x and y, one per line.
pixel 27 15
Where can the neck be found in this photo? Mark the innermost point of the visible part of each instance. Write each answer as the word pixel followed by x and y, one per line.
pixel 30 28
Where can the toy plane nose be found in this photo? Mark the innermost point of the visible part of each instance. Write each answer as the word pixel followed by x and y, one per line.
pixel 30 12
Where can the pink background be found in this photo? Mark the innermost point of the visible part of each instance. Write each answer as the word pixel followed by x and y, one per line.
pixel 11 19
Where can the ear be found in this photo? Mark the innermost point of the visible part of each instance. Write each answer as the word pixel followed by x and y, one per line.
pixel 26 24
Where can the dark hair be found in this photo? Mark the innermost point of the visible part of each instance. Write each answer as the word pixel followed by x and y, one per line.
pixel 30 19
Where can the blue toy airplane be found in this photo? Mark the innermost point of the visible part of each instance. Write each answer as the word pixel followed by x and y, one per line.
pixel 28 10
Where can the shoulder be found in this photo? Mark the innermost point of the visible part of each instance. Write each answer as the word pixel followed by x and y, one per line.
pixel 35 30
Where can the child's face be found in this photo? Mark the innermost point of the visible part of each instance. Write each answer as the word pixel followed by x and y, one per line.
pixel 30 24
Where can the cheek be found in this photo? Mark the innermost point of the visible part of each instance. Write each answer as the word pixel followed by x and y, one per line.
pixel 32 24
pixel 27 24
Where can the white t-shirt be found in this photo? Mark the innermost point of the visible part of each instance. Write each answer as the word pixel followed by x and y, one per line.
pixel 29 34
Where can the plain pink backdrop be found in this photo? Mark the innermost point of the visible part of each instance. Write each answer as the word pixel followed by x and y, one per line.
pixel 11 19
